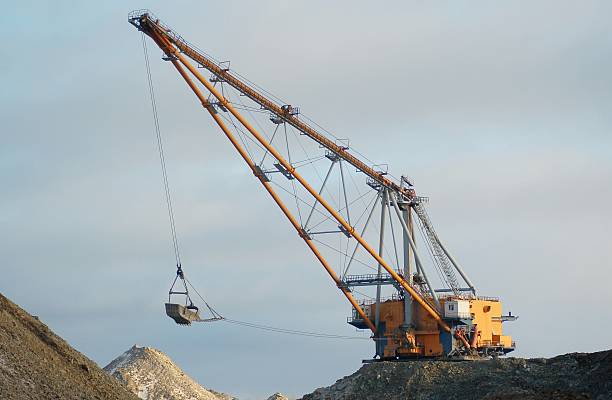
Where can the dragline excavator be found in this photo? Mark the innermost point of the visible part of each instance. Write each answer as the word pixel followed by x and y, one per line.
pixel 369 230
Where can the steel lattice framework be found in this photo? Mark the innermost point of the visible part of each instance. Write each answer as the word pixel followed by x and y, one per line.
pixel 317 213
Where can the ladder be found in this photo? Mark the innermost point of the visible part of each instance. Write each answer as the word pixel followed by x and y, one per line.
pixel 439 256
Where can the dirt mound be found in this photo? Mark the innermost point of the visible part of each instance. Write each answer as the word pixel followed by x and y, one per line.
pixel 278 396
pixel 152 375
pixel 569 377
pixel 37 364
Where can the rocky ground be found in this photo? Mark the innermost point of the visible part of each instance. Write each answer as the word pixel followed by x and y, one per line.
pixel 152 375
pixel 576 376
pixel 37 364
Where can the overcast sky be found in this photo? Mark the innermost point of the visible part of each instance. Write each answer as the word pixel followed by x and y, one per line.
pixel 500 111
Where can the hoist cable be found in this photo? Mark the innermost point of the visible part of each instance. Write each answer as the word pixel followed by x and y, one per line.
pixel 162 159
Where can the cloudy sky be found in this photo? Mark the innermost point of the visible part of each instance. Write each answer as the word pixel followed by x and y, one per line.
pixel 500 111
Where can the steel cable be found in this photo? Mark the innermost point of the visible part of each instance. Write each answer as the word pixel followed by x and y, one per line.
pixel 162 159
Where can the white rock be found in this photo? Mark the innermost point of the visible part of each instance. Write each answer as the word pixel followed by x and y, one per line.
pixel 151 375
pixel 278 396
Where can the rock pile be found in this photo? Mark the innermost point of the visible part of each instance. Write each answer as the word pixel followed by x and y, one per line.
pixel 152 375
pixel 37 364
pixel 278 396
pixel 576 376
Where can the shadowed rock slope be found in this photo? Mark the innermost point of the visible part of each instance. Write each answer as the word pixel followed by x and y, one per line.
pixel 151 375
pixel 37 364
pixel 576 376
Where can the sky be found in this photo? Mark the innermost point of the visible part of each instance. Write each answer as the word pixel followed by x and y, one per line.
pixel 499 111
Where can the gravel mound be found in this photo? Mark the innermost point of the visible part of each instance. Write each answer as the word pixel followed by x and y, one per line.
pixel 37 364
pixel 278 396
pixel 152 375
pixel 576 376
